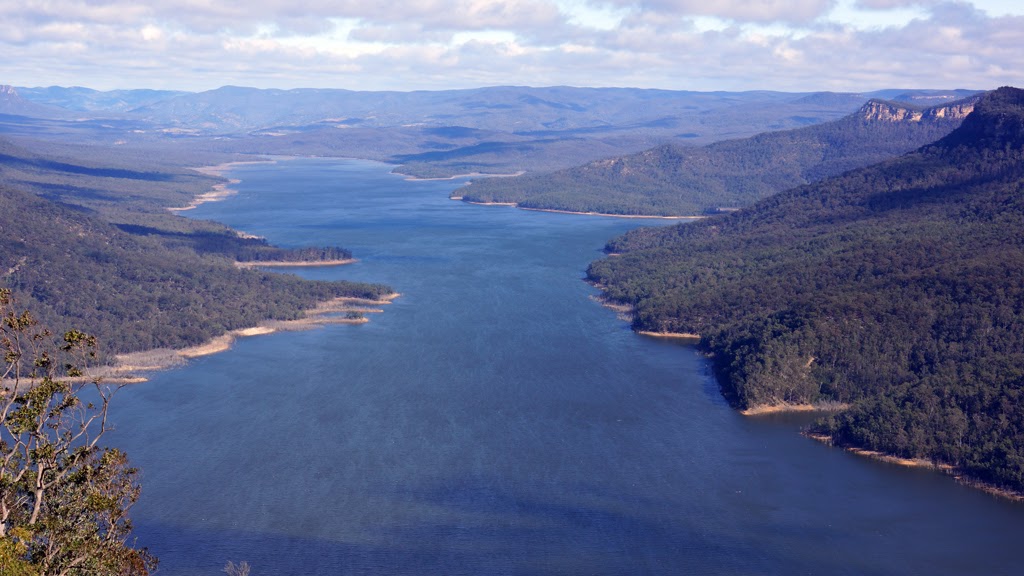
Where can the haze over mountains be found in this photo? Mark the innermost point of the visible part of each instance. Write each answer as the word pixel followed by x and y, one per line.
pixel 81 99
pixel 688 180
pixel 442 133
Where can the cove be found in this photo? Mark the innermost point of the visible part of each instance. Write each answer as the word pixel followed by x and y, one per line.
pixel 496 420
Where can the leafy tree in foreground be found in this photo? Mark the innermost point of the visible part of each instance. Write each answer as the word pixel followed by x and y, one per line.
pixel 64 499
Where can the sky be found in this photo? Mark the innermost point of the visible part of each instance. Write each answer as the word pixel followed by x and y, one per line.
pixel 790 45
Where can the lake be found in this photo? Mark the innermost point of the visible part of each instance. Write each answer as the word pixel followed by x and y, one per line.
pixel 496 420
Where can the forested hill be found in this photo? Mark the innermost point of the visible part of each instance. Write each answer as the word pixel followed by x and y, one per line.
pixel 91 246
pixel 678 180
pixel 131 190
pixel 896 288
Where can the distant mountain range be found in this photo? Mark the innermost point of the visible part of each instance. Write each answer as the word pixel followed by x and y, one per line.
pixel 79 99
pixel 502 129
pixel 894 289
pixel 12 103
pixel 687 180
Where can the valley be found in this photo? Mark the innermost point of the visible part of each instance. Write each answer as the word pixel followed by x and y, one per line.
pixel 846 275
pixel 512 288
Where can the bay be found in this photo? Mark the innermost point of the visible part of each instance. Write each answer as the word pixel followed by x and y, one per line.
pixel 496 420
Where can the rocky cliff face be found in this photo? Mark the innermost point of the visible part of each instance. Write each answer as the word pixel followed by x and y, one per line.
pixel 13 103
pixel 885 111
pixel 10 101
pixel 996 124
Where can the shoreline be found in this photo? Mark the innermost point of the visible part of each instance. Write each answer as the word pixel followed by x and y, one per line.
pixel 669 335
pixel 219 191
pixel 127 366
pixel 954 472
pixel 295 263
pixel 457 176
pixel 625 312
pixel 555 211
pixel 606 215
pixel 219 169
pixel 787 407
pixel 512 204
pixel 216 194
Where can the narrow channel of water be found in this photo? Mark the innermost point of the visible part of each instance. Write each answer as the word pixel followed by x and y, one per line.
pixel 495 420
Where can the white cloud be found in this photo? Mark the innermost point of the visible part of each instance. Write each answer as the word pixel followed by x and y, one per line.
pixel 798 11
pixel 890 4
pixel 432 44
pixel 400 33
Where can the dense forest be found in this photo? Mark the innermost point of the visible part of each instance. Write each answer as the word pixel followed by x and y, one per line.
pixel 90 245
pixel 689 180
pixel 894 288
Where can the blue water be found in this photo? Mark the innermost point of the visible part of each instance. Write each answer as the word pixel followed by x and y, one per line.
pixel 496 420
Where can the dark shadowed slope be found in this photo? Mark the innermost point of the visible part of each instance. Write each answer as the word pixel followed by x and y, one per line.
pixel 89 245
pixel 677 180
pixel 896 288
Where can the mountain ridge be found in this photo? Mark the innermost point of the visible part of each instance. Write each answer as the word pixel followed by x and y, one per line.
pixel 12 103
pixel 892 288
pixel 519 129
pixel 879 110
pixel 672 180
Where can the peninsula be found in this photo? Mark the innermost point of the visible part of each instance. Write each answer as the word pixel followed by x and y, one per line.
pixel 885 290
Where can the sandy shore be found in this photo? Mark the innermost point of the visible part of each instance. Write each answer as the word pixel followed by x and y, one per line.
pixel 127 366
pixel 956 473
pixel 467 175
pixel 26 384
pixel 220 169
pixel 625 312
pixel 786 407
pixel 677 335
pixel 216 194
pixel 512 204
pixel 631 216
pixel 553 211
pixel 299 264
pixel 881 456
pixel 219 191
